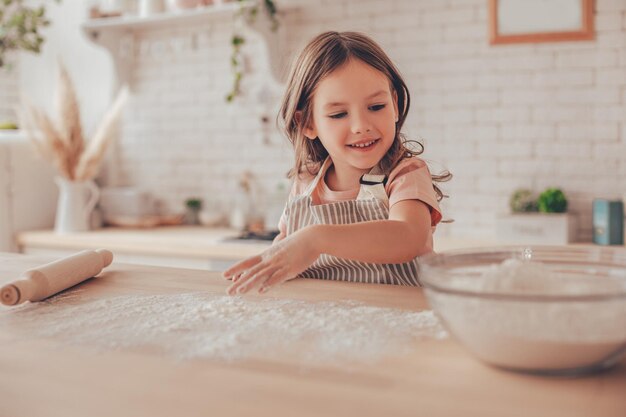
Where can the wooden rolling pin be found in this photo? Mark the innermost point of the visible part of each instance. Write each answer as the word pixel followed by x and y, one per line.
pixel 49 279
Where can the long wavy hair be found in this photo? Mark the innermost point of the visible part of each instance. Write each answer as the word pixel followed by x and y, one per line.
pixel 323 55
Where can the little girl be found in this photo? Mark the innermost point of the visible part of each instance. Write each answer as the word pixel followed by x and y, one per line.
pixel 363 207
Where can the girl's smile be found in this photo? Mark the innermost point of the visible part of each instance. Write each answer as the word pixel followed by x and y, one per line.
pixel 364 145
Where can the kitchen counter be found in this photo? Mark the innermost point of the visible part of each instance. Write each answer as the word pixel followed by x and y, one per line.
pixel 180 246
pixel 433 378
pixel 184 241
pixel 184 246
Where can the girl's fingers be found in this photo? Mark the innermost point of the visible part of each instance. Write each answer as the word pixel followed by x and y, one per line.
pixel 278 277
pixel 234 278
pixel 265 286
pixel 241 266
pixel 246 275
pixel 259 270
pixel 240 279
pixel 254 280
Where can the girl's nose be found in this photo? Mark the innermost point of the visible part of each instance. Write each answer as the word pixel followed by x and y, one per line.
pixel 360 123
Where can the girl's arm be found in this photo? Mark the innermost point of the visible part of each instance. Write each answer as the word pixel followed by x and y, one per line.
pixel 399 239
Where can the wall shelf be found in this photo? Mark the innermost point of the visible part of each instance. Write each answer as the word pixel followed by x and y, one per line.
pixel 117 34
pixel 94 26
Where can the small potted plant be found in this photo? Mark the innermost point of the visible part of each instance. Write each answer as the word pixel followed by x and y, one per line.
pixel 533 219
pixel 552 200
pixel 193 206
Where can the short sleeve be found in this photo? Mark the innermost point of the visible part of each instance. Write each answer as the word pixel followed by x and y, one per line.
pixel 411 180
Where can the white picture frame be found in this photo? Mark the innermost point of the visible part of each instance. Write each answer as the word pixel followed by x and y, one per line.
pixel 532 21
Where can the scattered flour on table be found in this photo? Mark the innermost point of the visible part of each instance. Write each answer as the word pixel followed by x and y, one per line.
pixel 200 325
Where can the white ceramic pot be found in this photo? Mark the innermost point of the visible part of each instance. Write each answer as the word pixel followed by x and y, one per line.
pixel 150 7
pixel 76 202
pixel 175 5
pixel 112 6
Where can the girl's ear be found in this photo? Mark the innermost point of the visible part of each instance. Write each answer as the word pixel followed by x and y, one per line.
pixel 309 131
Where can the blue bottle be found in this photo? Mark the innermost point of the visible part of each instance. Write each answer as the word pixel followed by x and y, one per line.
pixel 608 222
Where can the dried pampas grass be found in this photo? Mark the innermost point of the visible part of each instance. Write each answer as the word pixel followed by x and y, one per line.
pixel 63 143
pixel 91 158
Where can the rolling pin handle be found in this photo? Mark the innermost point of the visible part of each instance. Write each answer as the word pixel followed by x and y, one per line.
pixel 10 295
pixel 17 292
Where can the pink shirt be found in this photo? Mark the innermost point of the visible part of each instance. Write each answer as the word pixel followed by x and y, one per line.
pixel 409 180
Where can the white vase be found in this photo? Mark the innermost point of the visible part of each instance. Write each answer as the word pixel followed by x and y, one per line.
pixel 150 7
pixel 76 202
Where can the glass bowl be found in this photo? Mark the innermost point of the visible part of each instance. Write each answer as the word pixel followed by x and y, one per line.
pixel 539 309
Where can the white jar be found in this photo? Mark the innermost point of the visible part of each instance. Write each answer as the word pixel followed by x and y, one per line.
pixel 150 7
pixel 112 6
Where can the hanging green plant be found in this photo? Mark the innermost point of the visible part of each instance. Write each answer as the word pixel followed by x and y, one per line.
pixel 237 40
pixel 19 27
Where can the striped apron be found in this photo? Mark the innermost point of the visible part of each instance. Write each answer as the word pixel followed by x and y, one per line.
pixel 372 203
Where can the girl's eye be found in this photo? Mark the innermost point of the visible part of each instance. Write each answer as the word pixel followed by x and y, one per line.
pixel 375 107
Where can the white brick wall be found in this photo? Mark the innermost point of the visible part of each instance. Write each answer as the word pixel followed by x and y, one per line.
pixel 8 93
pixel 499 117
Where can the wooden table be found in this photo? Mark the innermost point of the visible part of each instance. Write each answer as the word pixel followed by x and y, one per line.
pixel 437 377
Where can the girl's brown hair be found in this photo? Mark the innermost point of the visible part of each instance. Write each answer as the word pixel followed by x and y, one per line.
pixel 324 54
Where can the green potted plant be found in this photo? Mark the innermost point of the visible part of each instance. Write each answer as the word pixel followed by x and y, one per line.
pixel 193 206
pixel 537 219
pixel 552 200
pixel 523 200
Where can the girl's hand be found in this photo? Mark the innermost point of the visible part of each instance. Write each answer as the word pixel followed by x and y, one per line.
pixel 283 261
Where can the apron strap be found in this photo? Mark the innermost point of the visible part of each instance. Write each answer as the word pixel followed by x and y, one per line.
pixel 373 186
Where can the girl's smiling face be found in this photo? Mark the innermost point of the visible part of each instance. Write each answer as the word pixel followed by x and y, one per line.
pixel 354 116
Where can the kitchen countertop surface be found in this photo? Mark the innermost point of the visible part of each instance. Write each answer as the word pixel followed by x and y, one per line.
pixel 183 241
pixel 433 378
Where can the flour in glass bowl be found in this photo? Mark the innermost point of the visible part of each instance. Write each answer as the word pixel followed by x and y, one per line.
pixel 516 276
pixel 200 325
pixel 531 333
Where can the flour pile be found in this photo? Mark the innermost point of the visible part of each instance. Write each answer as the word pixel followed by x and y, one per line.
pixel 516 276
pixel 199 325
